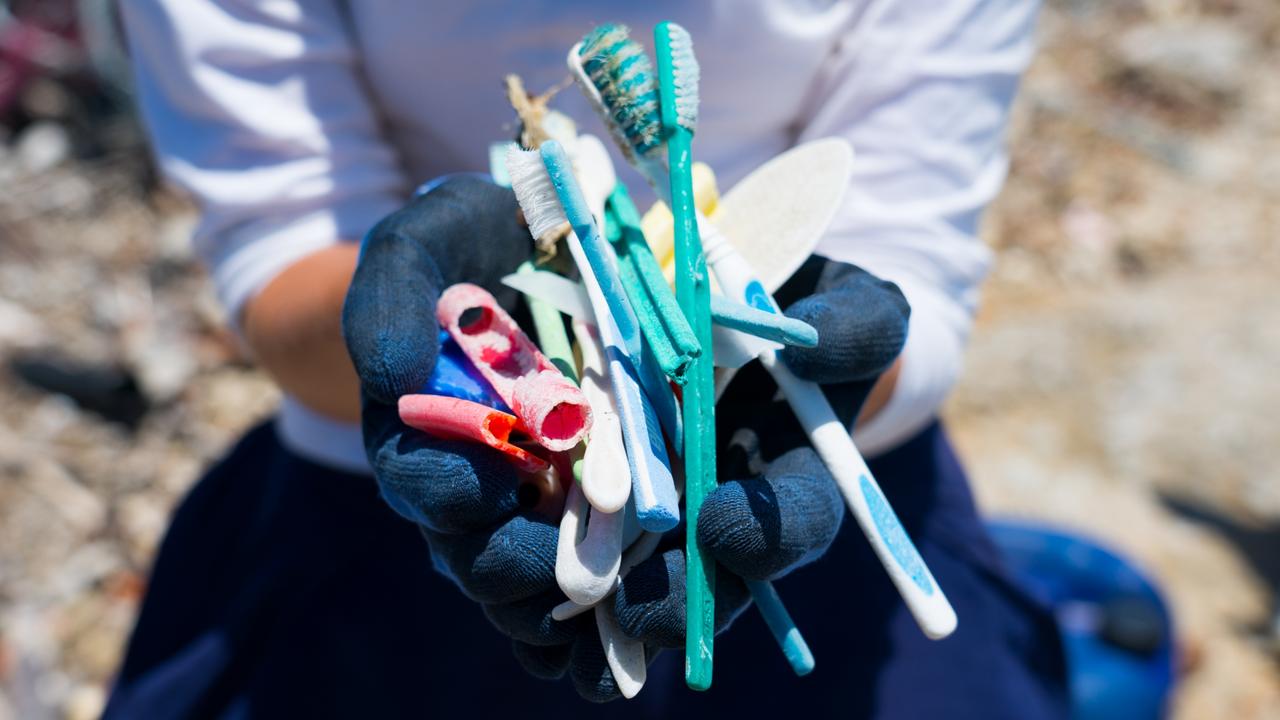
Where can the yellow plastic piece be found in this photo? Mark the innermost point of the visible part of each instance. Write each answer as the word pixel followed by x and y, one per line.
pixel 657 224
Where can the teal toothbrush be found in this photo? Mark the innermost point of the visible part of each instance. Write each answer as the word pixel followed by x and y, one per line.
pixel 830 438
pixel 678 106
pixel 617 78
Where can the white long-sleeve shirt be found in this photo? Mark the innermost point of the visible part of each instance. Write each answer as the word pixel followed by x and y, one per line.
pixel 299 123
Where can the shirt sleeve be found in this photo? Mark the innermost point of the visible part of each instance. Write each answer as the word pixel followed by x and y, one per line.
pixel 922 91
pixel 259 111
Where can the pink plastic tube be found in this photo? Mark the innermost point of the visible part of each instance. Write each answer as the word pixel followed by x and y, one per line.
pixel 551 407
pixel 458 419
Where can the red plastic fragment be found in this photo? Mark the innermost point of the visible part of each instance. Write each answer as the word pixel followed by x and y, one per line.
pixel 550 406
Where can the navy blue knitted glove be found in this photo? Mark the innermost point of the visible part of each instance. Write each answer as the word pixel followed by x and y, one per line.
pixel 466 498
pixel 462 494
pixel 783 509
pixel 464 230
pixel 861 322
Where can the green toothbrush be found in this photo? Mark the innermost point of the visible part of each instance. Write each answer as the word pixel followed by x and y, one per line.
pixel 617 79
pixel 678 105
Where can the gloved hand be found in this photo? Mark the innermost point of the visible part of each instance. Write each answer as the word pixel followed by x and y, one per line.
pixel 465 497
pixel 862 326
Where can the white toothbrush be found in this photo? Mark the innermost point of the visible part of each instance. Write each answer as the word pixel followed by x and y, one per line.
pixel 833 443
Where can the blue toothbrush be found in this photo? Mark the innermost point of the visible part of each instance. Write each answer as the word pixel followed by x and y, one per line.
pixel 549 196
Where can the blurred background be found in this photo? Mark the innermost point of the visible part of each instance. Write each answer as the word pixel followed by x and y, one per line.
pixel 1121 381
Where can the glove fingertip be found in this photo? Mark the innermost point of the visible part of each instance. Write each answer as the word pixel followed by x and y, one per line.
pixel 513 563
pixel 650 602
pixel 448 486
pixel 402 363
pixel 808 363
pixel 738 524
pixel 762 528
pixel 862 328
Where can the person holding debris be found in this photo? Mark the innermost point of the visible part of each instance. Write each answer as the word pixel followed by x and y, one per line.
pixel 294 579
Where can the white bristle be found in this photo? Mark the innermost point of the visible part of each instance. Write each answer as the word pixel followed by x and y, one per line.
pixel 684 70
pixel 534 191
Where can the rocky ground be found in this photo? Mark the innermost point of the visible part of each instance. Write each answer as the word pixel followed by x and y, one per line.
pixel 1121 379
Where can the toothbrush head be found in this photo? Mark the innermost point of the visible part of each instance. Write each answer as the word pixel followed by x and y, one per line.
pixel 574 61
pixel 623 74
pixel 684 72
pixel 534 191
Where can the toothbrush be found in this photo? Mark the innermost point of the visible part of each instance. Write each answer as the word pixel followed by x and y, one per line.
pixel 779 328
pixel 549 200
pixel 644 268
pixel 594 171
pixel 833 443
pixel 610 53
pixel 639 551
pixel 831 440
pixel 625 655
pixel 678 110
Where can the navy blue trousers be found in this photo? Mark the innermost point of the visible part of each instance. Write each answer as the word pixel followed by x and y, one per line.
pixel 286 589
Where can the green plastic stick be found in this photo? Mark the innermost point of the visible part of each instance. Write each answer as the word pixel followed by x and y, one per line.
pixel 693 291
pixel 669 333
pixel 642 304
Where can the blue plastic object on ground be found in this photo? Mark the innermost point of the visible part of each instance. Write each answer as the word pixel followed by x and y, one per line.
pixel 1116 628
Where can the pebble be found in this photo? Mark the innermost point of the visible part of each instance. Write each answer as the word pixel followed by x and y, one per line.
pixel 1194 59
pixel 19 329
pixel 42 146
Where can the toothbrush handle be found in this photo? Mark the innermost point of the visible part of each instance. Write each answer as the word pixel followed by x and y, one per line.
pixel 595 250
pixel 693 293
pixel 862 494
pixel 652 484
pixel 833 444
pixel 785 632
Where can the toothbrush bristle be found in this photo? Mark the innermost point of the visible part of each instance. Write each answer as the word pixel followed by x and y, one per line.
pixel 624 75
pixel 684 70
pixel 534 191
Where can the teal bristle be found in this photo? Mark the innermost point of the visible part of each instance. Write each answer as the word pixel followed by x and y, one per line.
pixel 624 75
